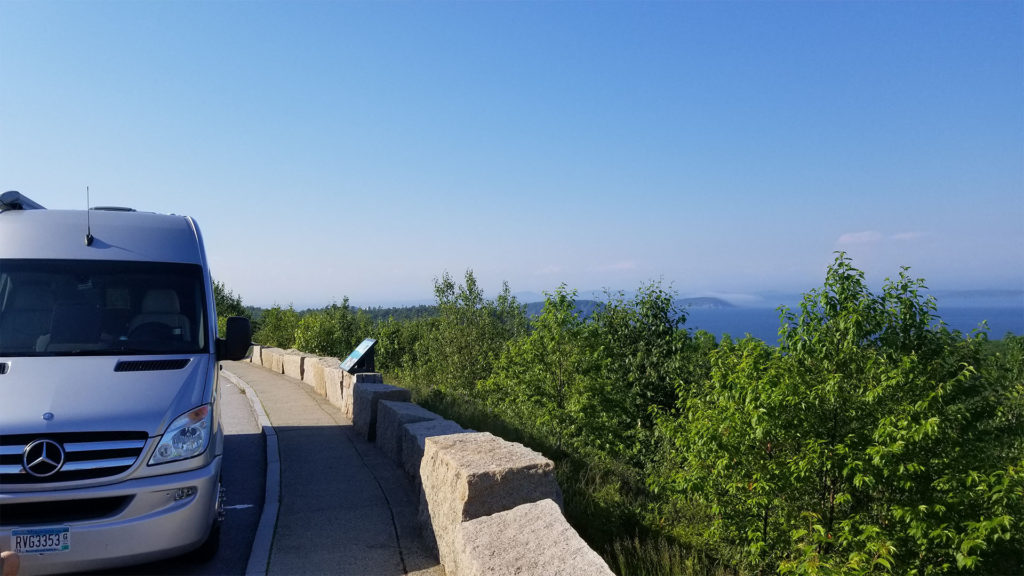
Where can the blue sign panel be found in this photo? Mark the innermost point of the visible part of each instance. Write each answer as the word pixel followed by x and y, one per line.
pixel 361 358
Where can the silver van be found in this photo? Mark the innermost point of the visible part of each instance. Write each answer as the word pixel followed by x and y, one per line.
pixel 110 434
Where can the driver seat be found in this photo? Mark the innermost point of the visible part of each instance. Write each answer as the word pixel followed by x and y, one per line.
pixel 162 307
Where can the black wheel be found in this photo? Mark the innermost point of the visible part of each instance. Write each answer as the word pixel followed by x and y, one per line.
pixel 208 549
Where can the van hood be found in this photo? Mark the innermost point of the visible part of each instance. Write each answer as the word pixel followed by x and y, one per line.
pixel 85 394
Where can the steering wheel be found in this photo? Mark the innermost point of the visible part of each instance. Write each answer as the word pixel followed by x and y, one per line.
pixel 152 332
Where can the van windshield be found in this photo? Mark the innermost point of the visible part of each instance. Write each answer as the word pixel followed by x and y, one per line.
pixel 96 307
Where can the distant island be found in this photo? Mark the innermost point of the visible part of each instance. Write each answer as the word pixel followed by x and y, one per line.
pixel 704 302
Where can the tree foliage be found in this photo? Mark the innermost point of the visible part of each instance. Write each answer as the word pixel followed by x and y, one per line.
pixel 594 384
pixel 277 327
pixel 227 304
pixel 872 440
pixel 544 381
pixel 332 331
pixel 467 337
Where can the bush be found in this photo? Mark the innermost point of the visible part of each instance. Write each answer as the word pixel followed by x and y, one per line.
pixel 227 304
pixel 461 345
pixel 872 440
pixel 277 327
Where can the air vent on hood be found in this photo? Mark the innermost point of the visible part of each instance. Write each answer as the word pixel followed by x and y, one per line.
pixel 3 368
pixel 150 365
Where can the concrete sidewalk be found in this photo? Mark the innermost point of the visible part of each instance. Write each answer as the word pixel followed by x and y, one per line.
pixel 345 508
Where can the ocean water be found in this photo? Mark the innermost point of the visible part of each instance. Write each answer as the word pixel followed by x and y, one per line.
pixel 763 323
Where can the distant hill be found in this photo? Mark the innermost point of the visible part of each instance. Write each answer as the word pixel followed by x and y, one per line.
pixel 400 313
pixel 586 308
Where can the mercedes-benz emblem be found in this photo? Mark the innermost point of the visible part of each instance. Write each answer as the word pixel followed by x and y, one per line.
pixel 43 458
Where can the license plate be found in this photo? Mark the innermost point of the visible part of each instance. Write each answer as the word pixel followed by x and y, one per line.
pixel 42 540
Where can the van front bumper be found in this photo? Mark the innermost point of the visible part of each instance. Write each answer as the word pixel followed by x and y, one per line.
pixel 156 517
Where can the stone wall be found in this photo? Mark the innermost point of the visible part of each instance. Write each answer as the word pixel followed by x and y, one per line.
pixel 488 505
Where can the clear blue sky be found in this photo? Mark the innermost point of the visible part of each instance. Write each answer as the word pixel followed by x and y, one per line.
pixel 362 149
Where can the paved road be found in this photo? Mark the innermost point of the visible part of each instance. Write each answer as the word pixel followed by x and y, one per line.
pixel 243 473
pixel 345 508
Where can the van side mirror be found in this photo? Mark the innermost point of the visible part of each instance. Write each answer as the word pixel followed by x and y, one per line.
pixel 237 339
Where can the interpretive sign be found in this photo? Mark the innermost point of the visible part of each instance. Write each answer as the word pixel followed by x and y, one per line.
pixel 361 359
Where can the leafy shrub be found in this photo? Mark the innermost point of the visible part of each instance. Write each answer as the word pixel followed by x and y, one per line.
pixel 468 335
pixel 277 327
pixel 872 440
pixel 227 303
pixel 333 331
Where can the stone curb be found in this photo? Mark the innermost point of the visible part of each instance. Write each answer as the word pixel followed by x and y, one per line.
pixel 391 420
pixel 259 556
pixel 366 397
pixel 528 539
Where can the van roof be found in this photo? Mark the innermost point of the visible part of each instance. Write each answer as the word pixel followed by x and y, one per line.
pixel 118 235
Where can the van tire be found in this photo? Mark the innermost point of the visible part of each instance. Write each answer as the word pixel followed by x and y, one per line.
pixel 208 549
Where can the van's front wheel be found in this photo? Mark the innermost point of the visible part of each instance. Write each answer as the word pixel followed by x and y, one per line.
pixel 208 549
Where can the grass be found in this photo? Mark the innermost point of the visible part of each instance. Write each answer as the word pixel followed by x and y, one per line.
pixel 662 557
pixel 603 501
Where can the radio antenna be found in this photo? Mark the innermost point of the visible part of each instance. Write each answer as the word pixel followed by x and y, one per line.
pixel 88 221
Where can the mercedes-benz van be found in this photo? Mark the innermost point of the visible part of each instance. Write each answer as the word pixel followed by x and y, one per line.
pixel 110 436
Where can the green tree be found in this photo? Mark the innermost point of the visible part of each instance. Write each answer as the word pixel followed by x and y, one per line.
pixel 396 342
pixel 333 331
pixel 540 382
pixel 227 304
pixel 317 333
pixel 872 440
pixel 277 327
pixel 643 359
pixel 467 337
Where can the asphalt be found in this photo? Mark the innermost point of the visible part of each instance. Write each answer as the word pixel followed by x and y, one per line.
pixel 335 503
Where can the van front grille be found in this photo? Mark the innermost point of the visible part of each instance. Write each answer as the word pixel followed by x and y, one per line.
pixel 61 511
pixel 68 457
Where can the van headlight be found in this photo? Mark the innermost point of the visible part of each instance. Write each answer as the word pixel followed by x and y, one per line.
pixel 186 437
